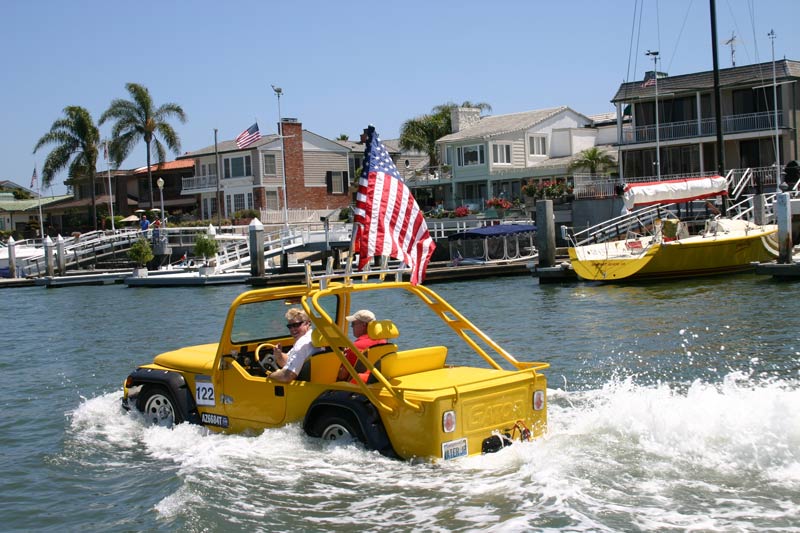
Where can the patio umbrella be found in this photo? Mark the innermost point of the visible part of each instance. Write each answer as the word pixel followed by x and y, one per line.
pixel 130 218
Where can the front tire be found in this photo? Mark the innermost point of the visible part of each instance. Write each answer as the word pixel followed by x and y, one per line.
pixel 158 407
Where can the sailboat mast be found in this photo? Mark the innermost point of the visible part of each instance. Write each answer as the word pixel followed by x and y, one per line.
pixel 717 99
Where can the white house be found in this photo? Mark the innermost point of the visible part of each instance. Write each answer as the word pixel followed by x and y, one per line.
pixel 496 155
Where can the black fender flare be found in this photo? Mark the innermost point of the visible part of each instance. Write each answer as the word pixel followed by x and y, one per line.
pixel 363 411
pixel 175 384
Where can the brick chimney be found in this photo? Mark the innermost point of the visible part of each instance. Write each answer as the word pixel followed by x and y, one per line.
pixel 463 117
pixel 292 131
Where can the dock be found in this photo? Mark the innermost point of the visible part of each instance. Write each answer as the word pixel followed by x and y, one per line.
pixel 781 271
pixel 188 279
pixel 437 273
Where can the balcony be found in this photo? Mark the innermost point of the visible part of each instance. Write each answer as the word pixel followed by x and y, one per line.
pixel 198 184
pixel 701 128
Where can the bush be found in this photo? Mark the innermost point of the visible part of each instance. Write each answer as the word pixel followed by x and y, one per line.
pixel 141 253
pixel 246 213
pixel 205 246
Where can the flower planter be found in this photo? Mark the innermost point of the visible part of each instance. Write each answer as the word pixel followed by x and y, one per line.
pixel 140 272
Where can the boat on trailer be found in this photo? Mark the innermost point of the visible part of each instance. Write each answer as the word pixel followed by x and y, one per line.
pixel 656 244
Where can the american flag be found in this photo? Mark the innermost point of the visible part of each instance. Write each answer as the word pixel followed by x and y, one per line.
pixel 650 82
pixel 389 220
pixel 248 136
pixel 34 179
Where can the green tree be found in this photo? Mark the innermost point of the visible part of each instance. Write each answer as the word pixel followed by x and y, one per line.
pixel 592 159
pixel 421 133
pixel 343 137
pixel 138 119
pixel 77 141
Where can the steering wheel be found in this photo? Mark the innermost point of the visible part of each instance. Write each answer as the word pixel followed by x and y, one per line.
pixel 268 363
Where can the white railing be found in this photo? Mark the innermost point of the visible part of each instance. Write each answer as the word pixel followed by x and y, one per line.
pixel 297 216
pixel 195 184
pixel 701 128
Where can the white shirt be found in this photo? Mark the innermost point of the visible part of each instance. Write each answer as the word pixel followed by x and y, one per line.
pixel 299 353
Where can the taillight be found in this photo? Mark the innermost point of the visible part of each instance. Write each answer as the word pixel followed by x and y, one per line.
pixel 538 400
pixel 449 421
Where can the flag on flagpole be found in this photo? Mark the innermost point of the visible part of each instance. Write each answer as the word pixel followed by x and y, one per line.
pixel 248 136
pixel 105 150
pixel 650 82
pixel 34 179
pixel 389 221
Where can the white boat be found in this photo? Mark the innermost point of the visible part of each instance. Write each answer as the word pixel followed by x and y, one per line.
pixel 22 250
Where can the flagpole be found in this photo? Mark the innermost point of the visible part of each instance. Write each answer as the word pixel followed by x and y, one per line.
pixel 39 195
pixel 110 193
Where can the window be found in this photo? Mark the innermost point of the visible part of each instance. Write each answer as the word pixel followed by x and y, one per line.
pixel 470 155
pixel 249 200
pixel 238 167
pixel 269 165
pixel 272 200
pixel 538 145
pixel 227 205
pixel 336 182
pixel 501 154
pixel 238 202
pixel 212 169
pixel 203 170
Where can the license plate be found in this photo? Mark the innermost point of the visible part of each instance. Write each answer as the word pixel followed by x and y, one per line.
pixel 454 448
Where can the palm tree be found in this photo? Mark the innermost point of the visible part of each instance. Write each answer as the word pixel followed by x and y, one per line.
pixel 592 159
pixel 343 137
pixel 138 119
pixel 77 141
pixel 421 133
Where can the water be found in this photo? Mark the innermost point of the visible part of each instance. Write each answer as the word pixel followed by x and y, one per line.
pixel 673 407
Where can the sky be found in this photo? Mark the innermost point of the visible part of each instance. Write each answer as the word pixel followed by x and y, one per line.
pixel 345 65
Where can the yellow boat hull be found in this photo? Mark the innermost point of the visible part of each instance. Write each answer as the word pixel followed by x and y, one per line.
pixel 699 255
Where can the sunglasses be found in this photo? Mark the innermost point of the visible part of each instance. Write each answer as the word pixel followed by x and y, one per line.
pixel 294 325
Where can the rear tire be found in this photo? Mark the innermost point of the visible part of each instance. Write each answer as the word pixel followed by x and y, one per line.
pixel 337 428
pixel 158 407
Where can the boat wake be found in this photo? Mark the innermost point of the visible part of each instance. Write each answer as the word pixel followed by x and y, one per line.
pixel 722 455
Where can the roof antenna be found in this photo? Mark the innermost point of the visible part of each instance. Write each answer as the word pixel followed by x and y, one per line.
pixel 732 43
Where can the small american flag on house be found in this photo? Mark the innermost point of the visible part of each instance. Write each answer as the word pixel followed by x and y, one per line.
pixel 34 179
pixel 650 82
pixel 248 136
pixel 389 221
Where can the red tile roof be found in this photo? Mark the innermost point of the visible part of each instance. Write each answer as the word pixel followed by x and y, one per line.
pixel 169 165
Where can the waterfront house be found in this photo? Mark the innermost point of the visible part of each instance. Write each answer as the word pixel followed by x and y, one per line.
pixel 317 176
pixel 687 125
pixel 494 156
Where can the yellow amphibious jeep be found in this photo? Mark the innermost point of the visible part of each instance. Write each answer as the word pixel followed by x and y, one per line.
pixel 425 395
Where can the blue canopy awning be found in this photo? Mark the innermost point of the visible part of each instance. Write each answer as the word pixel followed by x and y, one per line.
pixel 498 230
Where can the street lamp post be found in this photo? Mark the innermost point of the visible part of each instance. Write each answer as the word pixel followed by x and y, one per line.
pixel 160 183
pixel 279 92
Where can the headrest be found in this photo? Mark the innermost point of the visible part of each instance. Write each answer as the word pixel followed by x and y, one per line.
pixel 317 340
pixel 382 329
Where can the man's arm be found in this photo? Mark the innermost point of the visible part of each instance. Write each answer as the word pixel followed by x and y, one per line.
pixel 284 375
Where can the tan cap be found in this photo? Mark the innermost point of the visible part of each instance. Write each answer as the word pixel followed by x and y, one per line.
pixel 362 316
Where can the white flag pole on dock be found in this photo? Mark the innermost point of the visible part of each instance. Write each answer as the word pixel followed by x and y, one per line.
pixel 110 193
pixel 35 183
